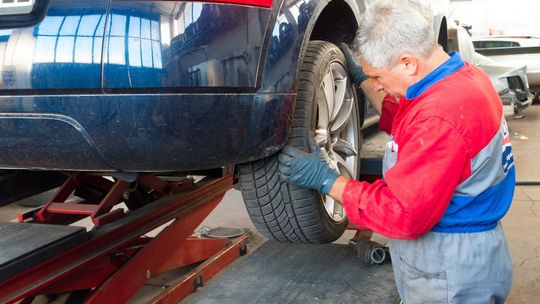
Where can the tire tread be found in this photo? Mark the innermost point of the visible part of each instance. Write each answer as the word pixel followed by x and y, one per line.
pixel 269 201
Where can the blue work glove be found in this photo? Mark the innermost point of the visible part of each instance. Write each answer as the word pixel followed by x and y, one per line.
pixel 355 69
pixel 306 169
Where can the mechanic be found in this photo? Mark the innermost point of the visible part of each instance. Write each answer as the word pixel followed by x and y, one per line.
pixel 448 170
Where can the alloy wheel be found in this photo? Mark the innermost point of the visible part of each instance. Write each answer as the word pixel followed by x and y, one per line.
pixel 337 130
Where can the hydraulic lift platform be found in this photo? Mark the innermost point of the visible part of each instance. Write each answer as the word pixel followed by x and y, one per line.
pixel 359 272
pixel 44 254
pixel 285 273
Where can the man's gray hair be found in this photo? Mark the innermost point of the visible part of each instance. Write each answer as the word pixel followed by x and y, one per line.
pixel 389 29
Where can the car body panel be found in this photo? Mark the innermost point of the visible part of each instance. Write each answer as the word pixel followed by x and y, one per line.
pixel 286 43
pixel 140 132
pixel 174 44
pixel 54 53
pixel 290 33
pixel 513 50
pixel 531 60
pixel 152 86
pixel 142 119
pixel 509 80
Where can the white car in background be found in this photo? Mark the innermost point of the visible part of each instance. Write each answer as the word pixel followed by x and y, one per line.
pixel 504 41
pixel 510 80
pixel 515 50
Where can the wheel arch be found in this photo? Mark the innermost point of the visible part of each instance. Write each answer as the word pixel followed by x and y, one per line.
pixel 333 21
pixel 323 26
pixel 336 22
pixel 279 69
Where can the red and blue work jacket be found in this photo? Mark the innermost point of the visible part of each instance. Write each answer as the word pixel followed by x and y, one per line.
pixel 448 166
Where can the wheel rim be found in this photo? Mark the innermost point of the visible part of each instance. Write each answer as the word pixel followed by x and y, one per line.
pixel 337 130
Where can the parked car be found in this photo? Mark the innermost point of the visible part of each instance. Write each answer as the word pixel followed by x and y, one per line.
pixel 509 80
pixel 176 87
pixel 514 50
pixel 504 41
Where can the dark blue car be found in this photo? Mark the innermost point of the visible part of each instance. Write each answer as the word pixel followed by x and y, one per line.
pixel 170 87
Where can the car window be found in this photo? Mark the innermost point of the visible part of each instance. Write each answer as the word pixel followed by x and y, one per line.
pixel 478 44
pixel 498 44
pixel 489 44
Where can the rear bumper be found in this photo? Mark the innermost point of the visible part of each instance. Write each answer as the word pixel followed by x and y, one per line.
pixel 141 133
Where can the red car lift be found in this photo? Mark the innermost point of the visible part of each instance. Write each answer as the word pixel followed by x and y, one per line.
pixel 115 259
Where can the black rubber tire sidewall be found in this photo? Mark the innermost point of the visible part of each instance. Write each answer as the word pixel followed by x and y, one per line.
pixel 282 211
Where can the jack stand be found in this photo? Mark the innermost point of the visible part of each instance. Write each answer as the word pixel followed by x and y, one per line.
pixel 368 251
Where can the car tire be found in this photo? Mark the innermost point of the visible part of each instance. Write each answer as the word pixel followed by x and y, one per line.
pixel 289 213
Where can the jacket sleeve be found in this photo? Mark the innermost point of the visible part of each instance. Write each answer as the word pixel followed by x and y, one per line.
pixel 411 200
pixel 389 109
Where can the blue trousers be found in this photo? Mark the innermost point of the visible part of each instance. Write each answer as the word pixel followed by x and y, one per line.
pixel 453 267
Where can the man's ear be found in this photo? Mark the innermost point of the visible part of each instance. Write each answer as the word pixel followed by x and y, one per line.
pixel 409 63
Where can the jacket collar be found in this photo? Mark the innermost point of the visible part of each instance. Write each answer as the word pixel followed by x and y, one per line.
pixel 450 66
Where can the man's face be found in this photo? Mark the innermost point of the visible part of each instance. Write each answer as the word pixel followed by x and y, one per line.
pixel 393 81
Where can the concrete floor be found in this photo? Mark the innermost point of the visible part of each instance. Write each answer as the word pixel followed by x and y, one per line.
pixel 521 224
